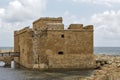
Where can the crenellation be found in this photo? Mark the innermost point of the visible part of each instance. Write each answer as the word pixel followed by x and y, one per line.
pixel 75 26
pixel 43 21
pixel 26 29
pixel 88 27
pixel 48 19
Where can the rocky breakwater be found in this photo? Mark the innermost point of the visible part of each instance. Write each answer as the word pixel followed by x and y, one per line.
pixel 107 69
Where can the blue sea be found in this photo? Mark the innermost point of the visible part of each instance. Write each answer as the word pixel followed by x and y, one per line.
pixel 107 50
pixel 97 50
pixel 6 48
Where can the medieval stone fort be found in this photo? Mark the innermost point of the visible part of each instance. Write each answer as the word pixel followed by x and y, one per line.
pixel 48 45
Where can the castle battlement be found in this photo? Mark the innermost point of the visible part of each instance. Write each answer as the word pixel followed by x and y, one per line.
pixel 75 26
pixel 49 20
pixel 89 27
pixel 80 26
pixel 22 31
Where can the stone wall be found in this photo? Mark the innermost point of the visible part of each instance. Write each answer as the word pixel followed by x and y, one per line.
pixel 42 21
pixel 23 44
pixel 55 26
pixel 48 43
pixel 71 61
pixel 75 26
pixel 77 41
pixel 69 42
pixel 6 59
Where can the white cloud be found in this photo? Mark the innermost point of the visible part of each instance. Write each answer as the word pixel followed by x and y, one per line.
pixel 18 14
pixel 19 10
pixel 107 27
pixel 2 11
pixel 70 18
pixel 103 2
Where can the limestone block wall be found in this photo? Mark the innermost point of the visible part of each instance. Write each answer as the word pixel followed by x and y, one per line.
pixel 6 59
pixel 70 51
pixel 16 46
pixel 69 42
pixel 42 21
pixel 54 42
pixel 75 26
pixel 79 41
pixel 48 43
pixel 23 44
pixel 64 44
pixel 80 61
pixel 55 26
pixel 16 42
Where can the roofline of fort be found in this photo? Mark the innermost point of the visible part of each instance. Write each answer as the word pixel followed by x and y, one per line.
pixel 22 30
pixel 48 19
pixel 75 30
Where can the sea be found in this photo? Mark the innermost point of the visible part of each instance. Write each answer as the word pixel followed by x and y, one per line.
pixel 97 50
pixel 107 50
pixel 6 48
pixel 7 73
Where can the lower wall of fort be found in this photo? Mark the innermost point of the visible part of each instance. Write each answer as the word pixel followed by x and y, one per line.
pixel 80 61
pixel 66 61
pixel 26 64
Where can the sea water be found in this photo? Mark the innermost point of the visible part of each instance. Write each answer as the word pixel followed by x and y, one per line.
pixel 23 74
pixel 107 50
pixel 97 50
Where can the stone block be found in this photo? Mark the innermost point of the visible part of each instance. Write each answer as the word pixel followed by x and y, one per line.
pixel 75 26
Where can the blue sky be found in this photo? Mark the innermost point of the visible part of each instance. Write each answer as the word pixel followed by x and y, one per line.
pixel 103 14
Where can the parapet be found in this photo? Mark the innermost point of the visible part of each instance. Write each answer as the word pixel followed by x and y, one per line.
pixel 49 20
pixel 80 27
pixel 75 26
pixel 89 27
pixel 22 31
pixel 44 20
pixel 55 26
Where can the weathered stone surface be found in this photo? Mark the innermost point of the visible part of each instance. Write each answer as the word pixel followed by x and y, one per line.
pixel 75 26
pixel 50 46
pixel 73 61
pixel 108 71
pixel 23 44
pixel 6 59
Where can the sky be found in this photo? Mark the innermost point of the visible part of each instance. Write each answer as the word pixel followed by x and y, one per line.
pixel 103 14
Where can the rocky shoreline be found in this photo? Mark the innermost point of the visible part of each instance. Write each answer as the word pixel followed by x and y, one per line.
pixel 108 71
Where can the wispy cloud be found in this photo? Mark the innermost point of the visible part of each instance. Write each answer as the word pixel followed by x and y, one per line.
pixel 107 30
pixel 19 10
pixel 17 14
pixel 101 2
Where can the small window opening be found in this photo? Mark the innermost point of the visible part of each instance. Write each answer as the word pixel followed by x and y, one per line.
pixel 60 53
pixel 62 36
